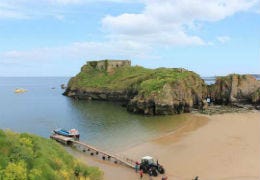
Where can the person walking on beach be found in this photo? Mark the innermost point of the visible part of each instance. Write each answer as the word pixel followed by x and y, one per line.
pixel 164 178
pixel 196 178
pixel 141 174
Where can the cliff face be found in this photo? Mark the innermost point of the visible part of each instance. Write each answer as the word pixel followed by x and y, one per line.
pixel 112 83
pixel 256 97
pixel 145 91
pixel 235 89
pixel 173 97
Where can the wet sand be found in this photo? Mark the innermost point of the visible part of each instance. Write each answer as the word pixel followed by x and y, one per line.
pixel 217 147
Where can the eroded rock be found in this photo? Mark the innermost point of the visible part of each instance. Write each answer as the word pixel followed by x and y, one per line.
pixel 235 89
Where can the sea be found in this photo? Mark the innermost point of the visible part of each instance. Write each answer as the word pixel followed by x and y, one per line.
pixel 105 125
pixel 212 79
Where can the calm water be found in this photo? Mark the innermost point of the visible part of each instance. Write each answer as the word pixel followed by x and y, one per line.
pixel 103 124
pixel 212 80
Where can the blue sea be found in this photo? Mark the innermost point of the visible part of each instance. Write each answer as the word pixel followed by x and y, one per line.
pixel 103 124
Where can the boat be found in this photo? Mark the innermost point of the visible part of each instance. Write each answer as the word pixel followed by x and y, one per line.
pixel 68 133
pixel 20 90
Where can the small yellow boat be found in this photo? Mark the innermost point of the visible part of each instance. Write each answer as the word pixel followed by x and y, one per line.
pixel 20 90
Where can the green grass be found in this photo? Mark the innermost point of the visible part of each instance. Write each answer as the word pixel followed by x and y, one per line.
pixel 121 79
pixel 26 156
pixel 146 81
pixel 160 77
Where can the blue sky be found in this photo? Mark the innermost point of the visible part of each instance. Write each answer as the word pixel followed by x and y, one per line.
pixel 56 37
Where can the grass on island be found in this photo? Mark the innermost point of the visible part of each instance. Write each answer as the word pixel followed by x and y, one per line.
pixel 25 156
pixel 121 79
pixel 146 81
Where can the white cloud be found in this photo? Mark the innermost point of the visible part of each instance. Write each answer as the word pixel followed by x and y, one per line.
pixel 54 61
pixel 223 39
pixel 78 50
pixel 164 23
pixel 4 14
pixel 165 11
pixel 170 22
pixel 144 29
pixel 26 9
pixel 65 2
pixel 190 10
pixel 9 10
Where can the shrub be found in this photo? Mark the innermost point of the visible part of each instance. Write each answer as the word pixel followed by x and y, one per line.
pixel 26 156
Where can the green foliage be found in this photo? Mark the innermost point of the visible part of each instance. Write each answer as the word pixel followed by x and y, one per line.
pixel 35 174
pixel 163 76
pixel 15 170
pixel 121 79
pixel 146 81
pixel 26 156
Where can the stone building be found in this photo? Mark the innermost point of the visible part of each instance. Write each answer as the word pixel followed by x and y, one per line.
pixel 109 65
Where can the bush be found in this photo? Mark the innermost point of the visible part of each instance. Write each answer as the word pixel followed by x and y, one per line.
pixel 26 156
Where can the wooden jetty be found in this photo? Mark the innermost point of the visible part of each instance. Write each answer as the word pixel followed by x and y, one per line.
pixel 62 139
pixel 93 150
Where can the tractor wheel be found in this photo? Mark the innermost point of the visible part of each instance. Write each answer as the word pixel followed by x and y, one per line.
pixel 161 170
pixel 154 172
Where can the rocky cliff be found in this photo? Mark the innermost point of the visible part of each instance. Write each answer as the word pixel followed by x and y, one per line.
pixel 145 91
pixel 176 94
pixel 234 89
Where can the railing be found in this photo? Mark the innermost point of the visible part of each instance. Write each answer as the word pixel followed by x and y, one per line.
pixel 118 159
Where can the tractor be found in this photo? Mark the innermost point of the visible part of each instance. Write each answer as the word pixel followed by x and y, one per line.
pixel 149 166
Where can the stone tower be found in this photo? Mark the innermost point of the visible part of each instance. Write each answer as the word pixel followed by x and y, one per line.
pixel 109 65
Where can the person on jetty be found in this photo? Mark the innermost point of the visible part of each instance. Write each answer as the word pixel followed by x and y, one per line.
pixel 136 166
pixel 141 174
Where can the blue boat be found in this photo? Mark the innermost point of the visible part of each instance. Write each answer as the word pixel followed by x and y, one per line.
pixel 71 133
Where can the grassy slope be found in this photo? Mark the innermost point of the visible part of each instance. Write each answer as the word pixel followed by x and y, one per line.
pixel 26 156
pixel 121 79
pixel 146 81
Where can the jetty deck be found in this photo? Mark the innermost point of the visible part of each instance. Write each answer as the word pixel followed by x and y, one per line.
pixel 93 151
pixel 62 139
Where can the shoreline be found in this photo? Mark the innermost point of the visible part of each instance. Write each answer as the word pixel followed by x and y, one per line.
pixel 213 147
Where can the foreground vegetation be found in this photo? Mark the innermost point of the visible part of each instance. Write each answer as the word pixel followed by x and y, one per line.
pixel 25 156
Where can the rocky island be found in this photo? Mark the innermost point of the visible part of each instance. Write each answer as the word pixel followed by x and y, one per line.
pixel 158 91
pixel 235 89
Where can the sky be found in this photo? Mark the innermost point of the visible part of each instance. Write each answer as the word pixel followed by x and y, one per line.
pixel 57 37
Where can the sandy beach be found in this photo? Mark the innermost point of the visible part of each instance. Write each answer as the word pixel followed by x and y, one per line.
pixel 217 147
